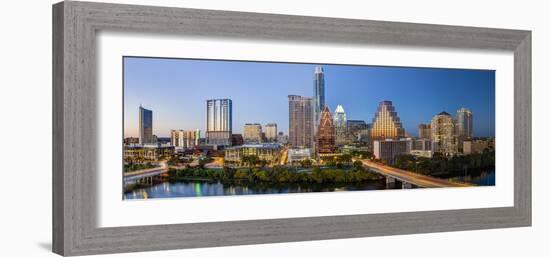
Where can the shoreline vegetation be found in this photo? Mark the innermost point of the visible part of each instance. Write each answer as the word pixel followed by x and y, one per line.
pixel 442 167
pixel 336 174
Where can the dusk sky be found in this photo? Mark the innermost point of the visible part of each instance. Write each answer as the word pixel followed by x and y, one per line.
pixel 176 91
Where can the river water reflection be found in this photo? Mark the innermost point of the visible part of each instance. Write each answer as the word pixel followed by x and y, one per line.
pixel 201 188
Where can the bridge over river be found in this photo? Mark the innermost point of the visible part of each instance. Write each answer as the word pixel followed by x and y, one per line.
pixel 409 178
pixel 146 174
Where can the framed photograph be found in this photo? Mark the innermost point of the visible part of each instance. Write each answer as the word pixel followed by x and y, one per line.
pixel 182 128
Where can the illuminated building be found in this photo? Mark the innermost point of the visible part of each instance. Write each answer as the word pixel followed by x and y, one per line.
pixel 266 152
pixel 444 136
pixel 340 125
pixel 147 152
pixel 386 124
pixel 326 137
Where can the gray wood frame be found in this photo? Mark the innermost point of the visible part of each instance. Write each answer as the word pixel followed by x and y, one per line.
pixel 74 129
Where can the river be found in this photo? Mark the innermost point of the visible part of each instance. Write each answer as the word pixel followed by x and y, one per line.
pixel 202 188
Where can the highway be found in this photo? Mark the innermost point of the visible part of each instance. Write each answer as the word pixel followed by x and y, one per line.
pixel 410 177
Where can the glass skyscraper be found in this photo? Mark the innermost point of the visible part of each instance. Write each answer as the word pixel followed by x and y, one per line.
pixel 465 124
pixel 318 94
pixel 340 125
pixel 145 126
pixel 219 121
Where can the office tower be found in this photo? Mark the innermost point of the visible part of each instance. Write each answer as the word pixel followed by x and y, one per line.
pixel 425 131
pixel 390 148
pixel 184 138
pixel 340 125
pixel 318 95
pixel 145 126
pixel 464 118
pixel 271 132
pixel 219 121
pixel 444 136
pixel 300 117
pixel 386 124
pixel 252 133
pixel 326 137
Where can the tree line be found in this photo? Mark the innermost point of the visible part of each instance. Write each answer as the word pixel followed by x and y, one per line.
pixel 440 165
pixel 277 175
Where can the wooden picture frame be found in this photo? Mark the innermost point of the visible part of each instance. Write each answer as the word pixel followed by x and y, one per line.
pixel 75 25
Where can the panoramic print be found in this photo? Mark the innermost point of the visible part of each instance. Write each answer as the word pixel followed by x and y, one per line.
pixel 196 128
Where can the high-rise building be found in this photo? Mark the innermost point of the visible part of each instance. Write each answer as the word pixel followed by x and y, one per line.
pixel 300 117
pixel 326 137
pixel 145 126
pixel 386 124
pixel 252 133
pixel 271 132
pixel 444 136
pixel 318 95
pixel 465 127
pixel 219 121
pixel 340 125
pixel 184 138
pixel 425 131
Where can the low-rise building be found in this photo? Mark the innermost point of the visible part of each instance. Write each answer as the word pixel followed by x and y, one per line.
pixel 266 152
pixel 298 155
pixel 475 146
pixel 390 148
pixel 184 138
pixel 147 152
pixel 422 144
pixel 422 153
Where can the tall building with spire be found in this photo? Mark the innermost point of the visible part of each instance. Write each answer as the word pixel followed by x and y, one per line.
pixel 145 126
pixel 444 136
pixel 340 125
pixel 386 123
pixel 318 94
pixel 300 121
pixel 326 137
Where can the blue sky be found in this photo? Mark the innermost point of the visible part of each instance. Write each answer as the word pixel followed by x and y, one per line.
pixel 176 91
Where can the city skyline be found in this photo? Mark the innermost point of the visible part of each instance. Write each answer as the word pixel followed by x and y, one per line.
pixel 176 91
